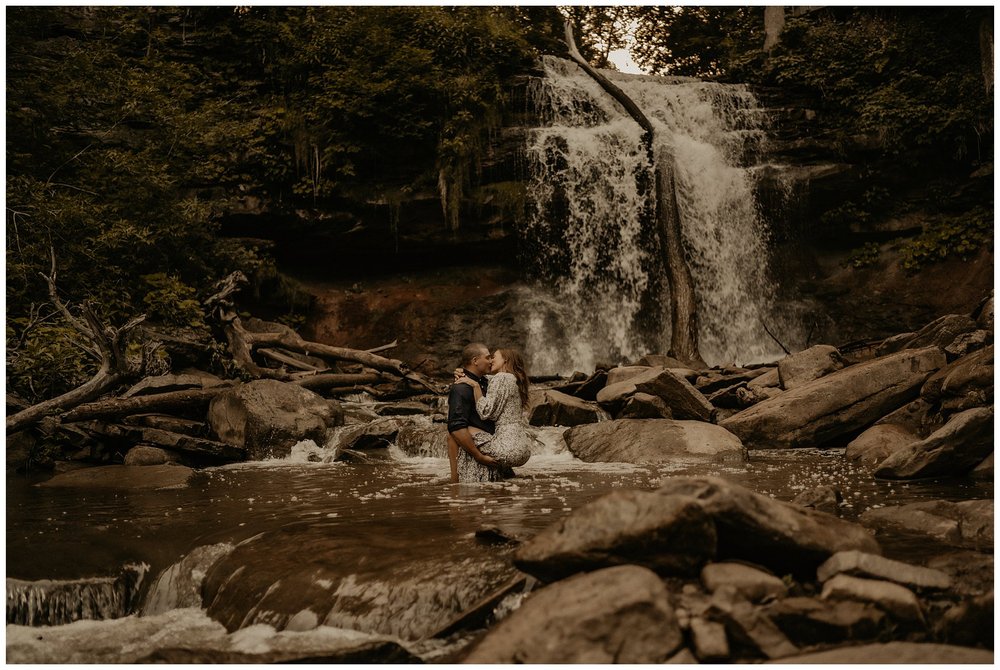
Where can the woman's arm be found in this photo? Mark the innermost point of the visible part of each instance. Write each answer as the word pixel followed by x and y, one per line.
pixel 489 406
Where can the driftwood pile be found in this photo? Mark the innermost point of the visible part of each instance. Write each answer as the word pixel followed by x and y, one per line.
pixel 130 401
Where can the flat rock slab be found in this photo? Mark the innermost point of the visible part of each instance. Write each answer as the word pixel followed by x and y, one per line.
pixel 808 364
pixel 837 404
pixel 784 537
pixel 616 615
pixel 967 524
pixel 669 535
pixel 954 449
pixel 683 399
pixel 898 601
pixel 909 653
pixel 809 621
pixel 755 585
pixel 860 564
pixel 129 477
pixel 653 441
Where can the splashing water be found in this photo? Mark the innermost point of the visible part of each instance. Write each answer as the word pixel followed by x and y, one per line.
pixel 590 228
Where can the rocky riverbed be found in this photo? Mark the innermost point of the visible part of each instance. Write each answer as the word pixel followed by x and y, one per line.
pixel 653 524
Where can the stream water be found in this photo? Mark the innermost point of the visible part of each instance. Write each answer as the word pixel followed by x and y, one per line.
pixel 386 547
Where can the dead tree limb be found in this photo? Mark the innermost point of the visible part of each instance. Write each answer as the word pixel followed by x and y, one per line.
pixel 384 347
pixel 683 309
pixel 107 343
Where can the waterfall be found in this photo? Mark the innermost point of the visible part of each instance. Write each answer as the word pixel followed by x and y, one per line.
pixel 588 230
pixel 51 602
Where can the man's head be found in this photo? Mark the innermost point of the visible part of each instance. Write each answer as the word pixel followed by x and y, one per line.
pixel 476 358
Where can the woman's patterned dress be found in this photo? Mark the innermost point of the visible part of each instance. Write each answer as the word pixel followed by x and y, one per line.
pixel 509 444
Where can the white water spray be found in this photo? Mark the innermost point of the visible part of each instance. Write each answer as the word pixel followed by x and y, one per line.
pixel 589 171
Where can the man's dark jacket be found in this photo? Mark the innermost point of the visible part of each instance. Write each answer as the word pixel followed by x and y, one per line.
pixel 462 406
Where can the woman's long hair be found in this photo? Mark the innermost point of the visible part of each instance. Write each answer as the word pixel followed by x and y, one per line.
pixel 515 365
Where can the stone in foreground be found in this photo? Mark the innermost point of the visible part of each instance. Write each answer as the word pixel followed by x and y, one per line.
pixel 860 564
pixel 837 404
pixel 908 653
pixel 653 441
pixel 617 615
pixel 779 535
pixel 669 535
pixel 897 601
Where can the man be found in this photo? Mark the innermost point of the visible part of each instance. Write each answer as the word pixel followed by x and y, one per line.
pixel 462 408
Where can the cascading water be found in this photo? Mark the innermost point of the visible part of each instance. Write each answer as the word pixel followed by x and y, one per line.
pixel 589 224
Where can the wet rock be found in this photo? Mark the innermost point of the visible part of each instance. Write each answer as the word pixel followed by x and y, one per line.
pixel 189 636
pixel 908 653
pixel 941 332
pixel 897 601
pixel 753 584
pixel 956 448
pixel 709 640
pixel 588 389
pixel 748 628
pixel 968 623
pixel 180 382
pixel 918 417
pixel 126 477
pixel 837 404
pixel 180 585
pixel 652 441
pixel 860 564
pixel 967 524
pixel 810 621
pixel 645 406
pixel 146 455
pixel 807 365
pixel 552 408
pixel 378 434
pixel 493 534
pixel 423 441
pixel 616 615
pixel 878 443
pixel 683 399
pixel 624 373
pixel 356 414
pixel 968 380
pixel 779 535
pixel 824 498
pixel 268 417
pixel 966 343
pixel 671 535
pixel 403 409
pixel 984 319
pixel 984 470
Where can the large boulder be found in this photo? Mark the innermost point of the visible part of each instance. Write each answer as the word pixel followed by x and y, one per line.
pixel 625 372
pixel 967 524
pixel 125 477
pixel 784 537
pixel 645 406
pixel 423 441
pixel 837 404
pixel 552 408
pixel 941 332
pixel 652 441
pixel 893 599
pixel 918 417
pixel 908 653
pixel 683 399
pixel 617 615
pixel 143 454
pixel 669 535
pixel 878 443
pixel 968 379
pixel 808 364
pixel 268 417
pixel 954 449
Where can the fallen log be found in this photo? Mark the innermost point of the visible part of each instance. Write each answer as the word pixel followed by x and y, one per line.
pixel 196 446
pixel 165 403
pixel 278 355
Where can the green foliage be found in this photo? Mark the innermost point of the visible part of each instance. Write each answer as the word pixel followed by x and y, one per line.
pixel 959 236
pixel 47 363
pixel 864 257
pixel 171 302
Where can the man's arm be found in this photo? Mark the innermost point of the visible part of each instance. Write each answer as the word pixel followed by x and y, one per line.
pixel 464 439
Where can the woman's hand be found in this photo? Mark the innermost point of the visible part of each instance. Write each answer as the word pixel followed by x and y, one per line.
pixel 466 380
pixel 458 372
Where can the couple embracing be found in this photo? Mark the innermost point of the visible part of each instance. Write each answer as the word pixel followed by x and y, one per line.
pixel 486 431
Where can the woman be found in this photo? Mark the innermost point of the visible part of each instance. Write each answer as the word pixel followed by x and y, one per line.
pixel 504 403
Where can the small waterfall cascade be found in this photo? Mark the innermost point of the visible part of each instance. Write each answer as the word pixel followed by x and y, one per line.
pixel 50 602
pixel 589 233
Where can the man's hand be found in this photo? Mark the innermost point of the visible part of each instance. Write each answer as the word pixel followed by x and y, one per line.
pixel 487 460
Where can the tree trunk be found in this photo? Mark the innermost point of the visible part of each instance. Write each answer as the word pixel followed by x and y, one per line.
pixel 683 307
